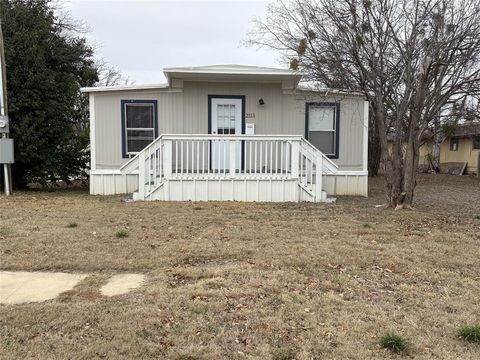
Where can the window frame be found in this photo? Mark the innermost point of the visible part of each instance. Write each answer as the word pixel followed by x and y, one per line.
pixel 336 131
pixel 476 141
pixel 456 141
pixel 124 104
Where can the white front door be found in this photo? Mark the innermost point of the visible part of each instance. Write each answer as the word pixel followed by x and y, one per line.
pixel 226 120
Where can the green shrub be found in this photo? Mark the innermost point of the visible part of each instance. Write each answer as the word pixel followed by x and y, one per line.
pixel 72 225
pixel 121 234
pixel 470 333
pixel 393 342
pixel 367 225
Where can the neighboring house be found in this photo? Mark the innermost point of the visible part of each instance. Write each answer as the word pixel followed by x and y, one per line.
pixel 463 146
pixel 228 132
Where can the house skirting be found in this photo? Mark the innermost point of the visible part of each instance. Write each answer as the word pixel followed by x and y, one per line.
pixel 112 182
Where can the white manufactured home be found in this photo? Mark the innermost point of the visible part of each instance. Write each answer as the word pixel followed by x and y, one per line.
pixel 228 132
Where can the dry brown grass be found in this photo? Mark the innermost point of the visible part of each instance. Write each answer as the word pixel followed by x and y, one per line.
pixel 247 281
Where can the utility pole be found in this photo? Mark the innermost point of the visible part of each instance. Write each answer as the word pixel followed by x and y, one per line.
pixel 6 144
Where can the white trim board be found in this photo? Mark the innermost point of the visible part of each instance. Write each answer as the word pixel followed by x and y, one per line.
pixel 93 159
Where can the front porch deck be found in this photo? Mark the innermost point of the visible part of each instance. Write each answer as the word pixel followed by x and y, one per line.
pixel 230 167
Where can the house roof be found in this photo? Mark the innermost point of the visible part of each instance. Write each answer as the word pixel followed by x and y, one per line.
pixel 470 129
pixel 229 72
pixel 232 72
pixel 232 69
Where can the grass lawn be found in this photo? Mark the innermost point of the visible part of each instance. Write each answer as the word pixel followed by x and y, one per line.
pixel 247 280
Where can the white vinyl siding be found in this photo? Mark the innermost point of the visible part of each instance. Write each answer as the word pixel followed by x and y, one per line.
pixel 186 112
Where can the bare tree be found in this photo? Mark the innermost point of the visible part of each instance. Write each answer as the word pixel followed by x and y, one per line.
pixel 412 59
pixel 110 75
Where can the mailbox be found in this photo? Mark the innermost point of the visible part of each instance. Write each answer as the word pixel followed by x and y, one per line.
pixel 249 129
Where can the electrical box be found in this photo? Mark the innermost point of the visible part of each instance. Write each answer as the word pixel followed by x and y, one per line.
pixel 4 124
pixel 6 151
pixel 249 129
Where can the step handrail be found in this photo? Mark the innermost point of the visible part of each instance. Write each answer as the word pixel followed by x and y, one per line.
pixel 130 166
pixel 330 163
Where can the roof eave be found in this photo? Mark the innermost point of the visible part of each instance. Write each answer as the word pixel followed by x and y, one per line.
pixel 123 88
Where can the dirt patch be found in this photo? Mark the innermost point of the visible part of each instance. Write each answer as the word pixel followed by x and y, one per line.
pixel 239 280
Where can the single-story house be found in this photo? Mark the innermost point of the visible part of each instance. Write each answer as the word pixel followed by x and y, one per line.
pixel 462 146
pixel 228 132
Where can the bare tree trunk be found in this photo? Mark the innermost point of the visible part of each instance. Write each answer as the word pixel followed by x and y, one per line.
pixel 437 141
pixel 411 168
pixel 391 162
pixel 374 150
pixel 436 153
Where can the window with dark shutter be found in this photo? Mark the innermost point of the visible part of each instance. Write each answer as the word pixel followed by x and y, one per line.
pixel 322 127
pixel 139 125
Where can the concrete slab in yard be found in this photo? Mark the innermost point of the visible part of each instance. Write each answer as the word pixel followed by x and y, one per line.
pixel 122 284
pixel 17 287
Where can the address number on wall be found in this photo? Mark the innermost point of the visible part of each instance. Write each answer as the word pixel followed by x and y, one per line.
pixel 250 116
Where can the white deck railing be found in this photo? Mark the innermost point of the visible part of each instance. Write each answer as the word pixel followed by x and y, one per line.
pixel 203 157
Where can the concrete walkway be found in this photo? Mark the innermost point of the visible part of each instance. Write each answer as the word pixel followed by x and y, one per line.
pixel 17 287
pixel 122 284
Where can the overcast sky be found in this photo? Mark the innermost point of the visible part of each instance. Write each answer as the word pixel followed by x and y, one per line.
pixel 142 37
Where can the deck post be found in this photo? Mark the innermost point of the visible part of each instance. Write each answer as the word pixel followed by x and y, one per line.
pixel 141 175
pixel 232 147
pixel 318 178
pixel 295 159
pixel 167 159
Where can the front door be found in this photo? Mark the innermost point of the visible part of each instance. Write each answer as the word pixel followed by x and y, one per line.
pixel 226 119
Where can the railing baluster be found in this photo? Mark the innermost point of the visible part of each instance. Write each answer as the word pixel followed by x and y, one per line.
pixel 260 158
pixel 282 150
pixel 209 165
pixel 271 158
pixel 266 158
pixel 181 157
pixel 255 157
pixel 203 158
pixel 154 167
pixel 197 168
pixel 276 158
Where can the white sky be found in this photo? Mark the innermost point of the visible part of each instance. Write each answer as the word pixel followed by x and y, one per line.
pixel 142 37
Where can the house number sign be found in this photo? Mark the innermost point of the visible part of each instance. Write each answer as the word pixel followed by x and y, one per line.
pixel 250 116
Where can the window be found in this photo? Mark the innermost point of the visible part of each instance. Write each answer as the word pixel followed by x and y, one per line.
pixel 226 119
pixel 139 120
pixel 476 143
pixel 453 144
pixel 322 127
